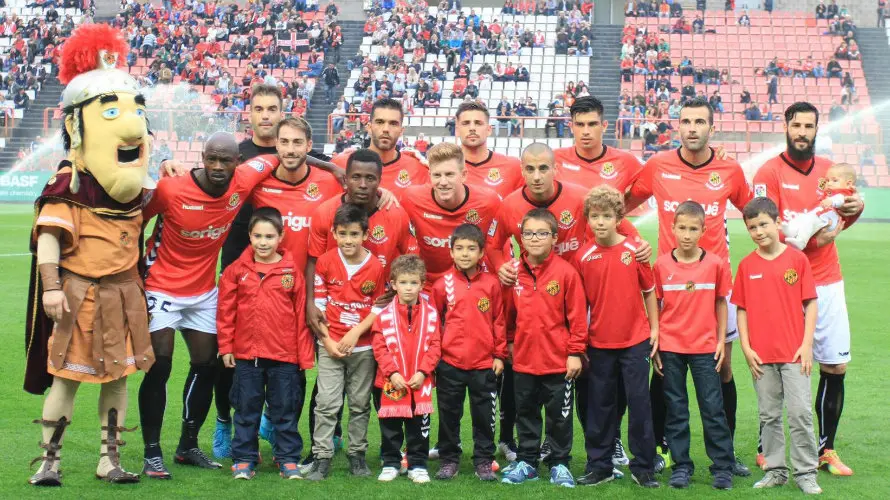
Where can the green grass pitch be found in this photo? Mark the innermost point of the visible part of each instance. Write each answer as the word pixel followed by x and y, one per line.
pixel 862 440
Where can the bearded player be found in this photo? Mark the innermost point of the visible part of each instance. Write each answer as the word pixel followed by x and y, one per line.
pixel 401 169
pixel 194 214
pixel 795 180
pixel 485 168
pixel 693 172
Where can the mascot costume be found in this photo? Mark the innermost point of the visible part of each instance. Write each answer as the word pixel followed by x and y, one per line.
pixel 87 319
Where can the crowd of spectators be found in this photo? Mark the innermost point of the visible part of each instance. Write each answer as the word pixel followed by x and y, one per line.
pixel 547 7
pixel 202 42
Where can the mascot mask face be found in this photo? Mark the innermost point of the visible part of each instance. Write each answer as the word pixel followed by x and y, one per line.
pixel 104 114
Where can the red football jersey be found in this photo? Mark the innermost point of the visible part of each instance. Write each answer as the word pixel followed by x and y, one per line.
pixel 183 250
pixel 408 169
pixel 614 167
pixel 297 204
pixel 389 232
pixel 347 296
pixel 797 190
pixel 499 173
pixel 568 208
pixel 687 322
pixel 433 224
pixel 671 180
pixel 772 293
pixel 613 284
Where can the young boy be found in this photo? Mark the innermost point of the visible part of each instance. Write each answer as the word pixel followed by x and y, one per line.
pixel 692 285
pixel 474 347
pixel 776 296
pixel 546 331
pixel 840 182
pixel 622 337
pixel 263 335
pixel 406 346
pixel 347 281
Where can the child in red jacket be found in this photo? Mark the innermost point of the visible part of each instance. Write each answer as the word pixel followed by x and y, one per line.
pixel 262 334
pixel 474 347
pixel 546 333
pixel 406 347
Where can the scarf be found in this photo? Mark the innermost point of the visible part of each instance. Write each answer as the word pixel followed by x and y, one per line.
pixel 397 403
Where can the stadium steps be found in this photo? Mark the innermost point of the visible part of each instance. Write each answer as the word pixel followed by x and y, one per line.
pixel 317 115
pixel 873 45
pixel 605 73
pixel 31 124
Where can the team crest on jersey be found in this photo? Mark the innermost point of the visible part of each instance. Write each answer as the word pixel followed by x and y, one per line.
pixel 760 190
pixel 714 181
pixel 234 200
pixel 566 219
pixel 822 183
pixel 484 304
pixel 392 393
pixel 608 171
pixel 473 216
pixel 552 287
pixel 403 179
pixel 626 258
pixel 378 234
pixel 790 276
pixel 287 281
pixel 494 177
pixel 125 239
pixel 368 287
pixel 690 286
pixel 312 192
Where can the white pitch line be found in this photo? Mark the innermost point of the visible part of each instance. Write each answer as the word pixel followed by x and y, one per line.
pixel 2 255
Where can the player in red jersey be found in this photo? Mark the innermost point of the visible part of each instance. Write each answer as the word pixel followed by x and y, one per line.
pixel 589 162
pixel 795 181
pixel 401 169
pixel 295 189
pixel 194 214
pixel 693 172
pixel 436 211
pixel 485 168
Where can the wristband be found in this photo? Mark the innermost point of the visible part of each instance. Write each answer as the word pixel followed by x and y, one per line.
pixel 49 277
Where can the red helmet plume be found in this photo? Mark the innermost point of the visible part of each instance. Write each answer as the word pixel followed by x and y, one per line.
pixel 80 52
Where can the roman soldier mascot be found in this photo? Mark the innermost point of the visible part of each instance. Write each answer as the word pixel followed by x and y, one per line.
pixel 87 320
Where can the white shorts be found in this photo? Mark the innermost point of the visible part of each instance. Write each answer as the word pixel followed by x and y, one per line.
pixel 182 313
pixel 732 322
pixel 831 344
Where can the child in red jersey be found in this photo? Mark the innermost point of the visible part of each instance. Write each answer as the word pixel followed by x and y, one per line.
pixel 840 182
pixel 776 297
pixel 622 337
pixel 692 285
pixel 546 331
pixel 262 334
pixel 474 347
pixel 347 281
pixel 406 347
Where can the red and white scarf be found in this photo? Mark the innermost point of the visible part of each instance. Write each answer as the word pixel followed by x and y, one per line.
pixel 395 403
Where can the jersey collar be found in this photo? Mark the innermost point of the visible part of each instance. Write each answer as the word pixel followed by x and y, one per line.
pixel 696 167
pixel 455 209
pixel 397 158
pixel 547 203
pixel 297 183
pixel 483 162
pixel 594 160
pixel 701 258
pixel 804 167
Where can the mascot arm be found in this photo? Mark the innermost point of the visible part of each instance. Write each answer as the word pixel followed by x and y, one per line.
pixel 49 248
pixel 55 305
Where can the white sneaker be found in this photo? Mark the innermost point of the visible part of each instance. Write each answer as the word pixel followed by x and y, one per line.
pixel 619 456
pixel 504 449
pixel 771 479
pixel 419 476
pixel 808 485
pixel 434 453
pixel 388 474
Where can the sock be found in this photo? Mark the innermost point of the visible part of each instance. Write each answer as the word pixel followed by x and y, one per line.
pixel 829 406
pixel 222 387
pixel 730 401
pixel 112 395
pixel 197 394
pixel 659 410
pixel 59 403
pixel 152 403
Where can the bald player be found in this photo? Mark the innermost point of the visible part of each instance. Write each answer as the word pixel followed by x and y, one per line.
pixel 194 215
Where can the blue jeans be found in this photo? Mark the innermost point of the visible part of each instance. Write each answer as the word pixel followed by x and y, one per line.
pixel 498 124
pixel 708 392
pixel 278 384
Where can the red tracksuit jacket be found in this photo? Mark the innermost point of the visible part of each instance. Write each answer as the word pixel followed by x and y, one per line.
pixel 264 317
pixel 546 316
pixel 475 320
